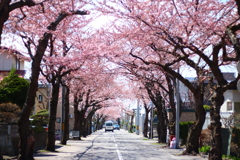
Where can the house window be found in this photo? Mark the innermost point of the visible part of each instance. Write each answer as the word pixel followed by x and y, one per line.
pixel 229 106
pixel 17 64
pixel 58 120
pixel 40 98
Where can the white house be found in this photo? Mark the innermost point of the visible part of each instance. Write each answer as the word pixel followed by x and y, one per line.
pixel 10 59
pixel 230 110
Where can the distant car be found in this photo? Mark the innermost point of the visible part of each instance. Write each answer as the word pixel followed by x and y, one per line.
pixel 116 126
pixel 109 126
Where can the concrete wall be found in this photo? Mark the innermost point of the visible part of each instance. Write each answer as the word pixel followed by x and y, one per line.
pixel 9 140
pixel 187 115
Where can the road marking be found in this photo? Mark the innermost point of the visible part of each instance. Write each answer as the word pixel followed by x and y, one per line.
pixel 118 152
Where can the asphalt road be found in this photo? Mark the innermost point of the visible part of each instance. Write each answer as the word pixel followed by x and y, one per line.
pixel 120 145
pixel 117 145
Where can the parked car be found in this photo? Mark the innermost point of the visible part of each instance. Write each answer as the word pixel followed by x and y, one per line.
pixel 116 126
pixel 109 126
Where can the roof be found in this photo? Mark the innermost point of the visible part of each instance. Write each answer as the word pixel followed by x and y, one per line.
pixel 3 74
pixel 228 76
pixel 19 55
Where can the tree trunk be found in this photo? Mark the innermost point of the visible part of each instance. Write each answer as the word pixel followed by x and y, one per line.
pixel 98 125
pixel 192 144
pixel 162 129
pixel 53 111
pixel 76 114
pixel 131 123
pixel 89 120
pixel 4 14
pixel 1 156
pixel 215 126
pixel 162 125
pixel 23 123
pixel 89 126
pixel 171 124
pixel 66 108
pixel 84 127
pixel 82 123
pixel 145 131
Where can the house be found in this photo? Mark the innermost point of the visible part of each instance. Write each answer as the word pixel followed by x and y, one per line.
pixel 60 110
pixel 42 101
pixel 10 59
pixel 230 109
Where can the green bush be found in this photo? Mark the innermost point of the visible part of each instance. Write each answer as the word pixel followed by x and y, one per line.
pixel 229 158
pixel 37 129
pixel 206 107
pixel 13 89
pixel 204 149
pixel 41 118
pixel 183 133
pixel 235 144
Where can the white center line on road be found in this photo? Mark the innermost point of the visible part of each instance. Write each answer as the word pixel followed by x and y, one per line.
pixel 118 152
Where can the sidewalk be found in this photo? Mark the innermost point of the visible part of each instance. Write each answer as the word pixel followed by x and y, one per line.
pixel 68 151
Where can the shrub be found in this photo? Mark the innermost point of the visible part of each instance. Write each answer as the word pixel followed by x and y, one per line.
pixel 235 145
pixel 13 89
pixel 9 113
pixel 206 107
pixel 204 149
pixel 41 118
pixel 229 158
pixel 37 129
pixel 183 133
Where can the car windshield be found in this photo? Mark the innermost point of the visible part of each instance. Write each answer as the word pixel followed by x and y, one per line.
pixel 108 124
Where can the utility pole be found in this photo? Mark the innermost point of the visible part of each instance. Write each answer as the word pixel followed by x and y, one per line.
pixel 177 114
pixel 151 132
pixel 137 118
pixel 63 112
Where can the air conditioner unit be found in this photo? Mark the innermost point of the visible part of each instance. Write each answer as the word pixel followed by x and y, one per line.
pixel 70 115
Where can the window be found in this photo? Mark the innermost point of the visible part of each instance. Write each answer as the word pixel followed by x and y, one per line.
pixel 17 64
pixel 58 120
pixel 40 98
pixel 229 106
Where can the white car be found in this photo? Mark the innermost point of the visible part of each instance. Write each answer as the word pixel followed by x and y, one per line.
pixel 109 126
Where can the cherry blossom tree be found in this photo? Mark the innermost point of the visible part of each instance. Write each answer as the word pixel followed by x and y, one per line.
pixel 7 6
pixel 93 88
pixel 48 18
pixel 170 34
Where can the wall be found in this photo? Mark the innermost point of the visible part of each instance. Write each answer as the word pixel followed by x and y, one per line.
pixel 9 140
pixel 59 115
pixel 44 103
pixel 7 63
pixel 187 115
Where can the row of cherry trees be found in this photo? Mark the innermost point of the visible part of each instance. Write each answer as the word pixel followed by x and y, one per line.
pixel 167 35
